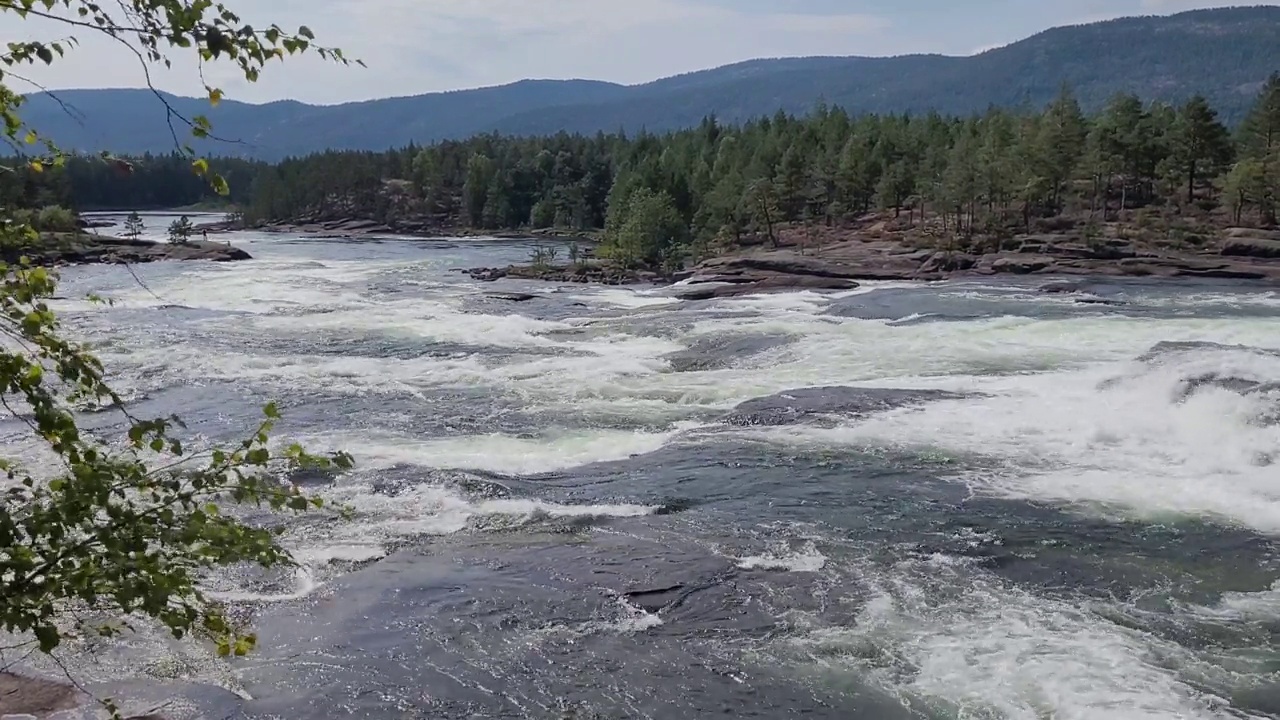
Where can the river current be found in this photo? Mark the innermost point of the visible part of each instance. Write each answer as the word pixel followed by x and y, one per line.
pixel 558 515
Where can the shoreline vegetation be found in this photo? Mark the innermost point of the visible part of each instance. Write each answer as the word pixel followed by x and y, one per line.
pixel 816 202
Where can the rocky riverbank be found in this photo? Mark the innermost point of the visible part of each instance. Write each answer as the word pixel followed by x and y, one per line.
pixel 84 249
pixel 1241 253
pixel 1244 254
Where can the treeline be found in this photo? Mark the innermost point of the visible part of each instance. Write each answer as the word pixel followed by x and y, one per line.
pixel 657 195
pixel 660 197
pixel 147 182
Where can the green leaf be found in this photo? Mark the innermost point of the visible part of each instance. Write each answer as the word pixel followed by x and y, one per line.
pixel 48 636
pixel 271 410
pixel 215 96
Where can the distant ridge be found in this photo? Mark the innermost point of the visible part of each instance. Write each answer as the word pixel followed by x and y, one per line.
pixel 1224 54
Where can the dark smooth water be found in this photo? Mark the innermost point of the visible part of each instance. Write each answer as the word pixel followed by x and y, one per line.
pixel 559 514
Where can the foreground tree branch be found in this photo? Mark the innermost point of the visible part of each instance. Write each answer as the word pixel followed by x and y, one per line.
pixel 129 528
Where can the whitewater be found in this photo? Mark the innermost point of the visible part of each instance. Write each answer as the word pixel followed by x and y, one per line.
pixel 553 517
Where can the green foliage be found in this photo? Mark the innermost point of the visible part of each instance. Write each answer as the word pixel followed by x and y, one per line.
pixel 50 218
pixel 543 256
pixel 180 230
pixel 645 230
pixel 1260 147
pixel 128 529
pixel 1201 144
pixel 134 226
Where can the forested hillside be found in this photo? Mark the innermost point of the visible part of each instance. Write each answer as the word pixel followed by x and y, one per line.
pixel 966 182
pixel 1223 54
pixel 660 197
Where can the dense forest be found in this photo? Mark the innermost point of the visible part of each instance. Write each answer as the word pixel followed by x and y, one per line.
pixel 1224 54
pixel 148 182
pixel 660 198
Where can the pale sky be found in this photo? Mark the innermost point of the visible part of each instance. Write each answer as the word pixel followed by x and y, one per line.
pixel 420 46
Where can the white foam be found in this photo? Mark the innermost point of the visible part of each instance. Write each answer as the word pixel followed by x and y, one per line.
pixel 788 563
pixel 427 508
pixel 504 454
pixel 1113 436
pixel 626 298
pixel 963 646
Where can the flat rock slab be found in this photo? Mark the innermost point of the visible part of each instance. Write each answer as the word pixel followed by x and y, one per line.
pixel 729 286
pixel 794 406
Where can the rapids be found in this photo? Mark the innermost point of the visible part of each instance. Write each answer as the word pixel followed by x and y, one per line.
pixel 559 511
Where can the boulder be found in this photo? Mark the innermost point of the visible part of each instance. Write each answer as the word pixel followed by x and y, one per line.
pixel 1253 247
pixel 1021 265
pixel 948 262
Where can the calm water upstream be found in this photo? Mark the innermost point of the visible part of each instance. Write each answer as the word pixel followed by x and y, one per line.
pixel 554 519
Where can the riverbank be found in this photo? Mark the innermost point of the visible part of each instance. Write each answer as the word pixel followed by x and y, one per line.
pixel 55 249
pixel 879 247
pixel 1244 254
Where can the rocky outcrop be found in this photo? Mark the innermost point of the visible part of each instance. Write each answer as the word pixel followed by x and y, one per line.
pixel 752 274
pixel 99 249
pixel 763 284
pixel 598 274
pixel 1254 245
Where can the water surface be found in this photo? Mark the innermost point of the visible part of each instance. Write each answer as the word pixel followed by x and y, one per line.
pixel 554 519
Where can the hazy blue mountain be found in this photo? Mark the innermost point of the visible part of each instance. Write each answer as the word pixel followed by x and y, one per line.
pixel 1224 54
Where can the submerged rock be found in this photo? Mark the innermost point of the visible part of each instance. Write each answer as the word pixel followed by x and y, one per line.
pixel 511 296
pixel 793 406
pixel 721 352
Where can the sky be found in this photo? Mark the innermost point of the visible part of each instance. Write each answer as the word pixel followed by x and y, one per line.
pixel 419 46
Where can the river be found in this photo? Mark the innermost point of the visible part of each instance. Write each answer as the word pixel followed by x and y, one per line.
pixel 553 518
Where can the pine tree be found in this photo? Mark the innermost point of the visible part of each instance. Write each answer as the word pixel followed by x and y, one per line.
pixel 1061 143
pixel 1201 144
pixel 1260 143
pixel 133 226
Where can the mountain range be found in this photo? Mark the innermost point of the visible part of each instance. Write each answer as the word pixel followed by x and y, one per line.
pixel 1223 54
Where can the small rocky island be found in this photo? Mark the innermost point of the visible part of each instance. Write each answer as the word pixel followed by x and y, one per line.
pixel 54 249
